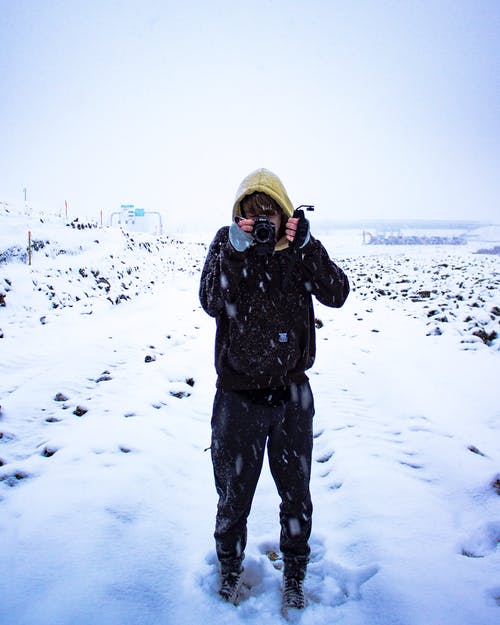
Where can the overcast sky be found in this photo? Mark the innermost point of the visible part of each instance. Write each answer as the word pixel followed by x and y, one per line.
pixel 364 108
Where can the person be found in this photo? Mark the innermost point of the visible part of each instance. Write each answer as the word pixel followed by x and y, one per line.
pixel 260 296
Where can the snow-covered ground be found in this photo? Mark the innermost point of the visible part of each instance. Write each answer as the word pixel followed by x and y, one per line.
pixel 107 501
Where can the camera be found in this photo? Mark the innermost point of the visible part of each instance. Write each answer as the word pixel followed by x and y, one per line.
pixel 264 235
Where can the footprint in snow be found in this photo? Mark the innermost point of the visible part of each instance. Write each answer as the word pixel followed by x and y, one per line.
pixel 335 486
pixel 325 457
pixel 424 425
pixel 411 465
pixel 394 436
pixel 485 540
pixel 332 584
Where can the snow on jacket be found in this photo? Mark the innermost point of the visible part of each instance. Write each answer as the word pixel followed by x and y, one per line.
pixel 262 304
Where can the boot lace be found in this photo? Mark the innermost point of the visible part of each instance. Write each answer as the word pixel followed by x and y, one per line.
pixel 230 585
pixel 293 593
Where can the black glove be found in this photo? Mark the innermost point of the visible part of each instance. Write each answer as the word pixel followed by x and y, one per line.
pixel 303 232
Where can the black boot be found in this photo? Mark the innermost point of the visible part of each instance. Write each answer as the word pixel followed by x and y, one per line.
pixel 293 585
pixel 293 593
pixel 230 584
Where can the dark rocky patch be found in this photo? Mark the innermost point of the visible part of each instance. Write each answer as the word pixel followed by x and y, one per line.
pixel 14 478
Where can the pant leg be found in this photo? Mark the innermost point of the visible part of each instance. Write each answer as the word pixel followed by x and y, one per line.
pixel 239 432
pixel 290 451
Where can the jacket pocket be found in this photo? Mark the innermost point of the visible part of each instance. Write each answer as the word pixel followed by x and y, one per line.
pixel 266 349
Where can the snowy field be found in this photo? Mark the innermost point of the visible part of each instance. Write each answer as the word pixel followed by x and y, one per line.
pixel 107 501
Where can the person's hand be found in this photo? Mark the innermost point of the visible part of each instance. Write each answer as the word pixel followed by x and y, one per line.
pixel 291 228
pixel 297 230
pixel 246 225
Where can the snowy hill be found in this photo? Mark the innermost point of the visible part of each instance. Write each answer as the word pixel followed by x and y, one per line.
pixel 106 384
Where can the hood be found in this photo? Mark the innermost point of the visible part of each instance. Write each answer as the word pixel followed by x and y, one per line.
pixel 267 182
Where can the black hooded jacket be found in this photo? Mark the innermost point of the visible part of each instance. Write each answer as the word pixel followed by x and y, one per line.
pixel 264 312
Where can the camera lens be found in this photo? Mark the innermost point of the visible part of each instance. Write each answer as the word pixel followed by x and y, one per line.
pixel 263 231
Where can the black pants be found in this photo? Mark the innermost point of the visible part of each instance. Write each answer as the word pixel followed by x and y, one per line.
pixel 242 424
